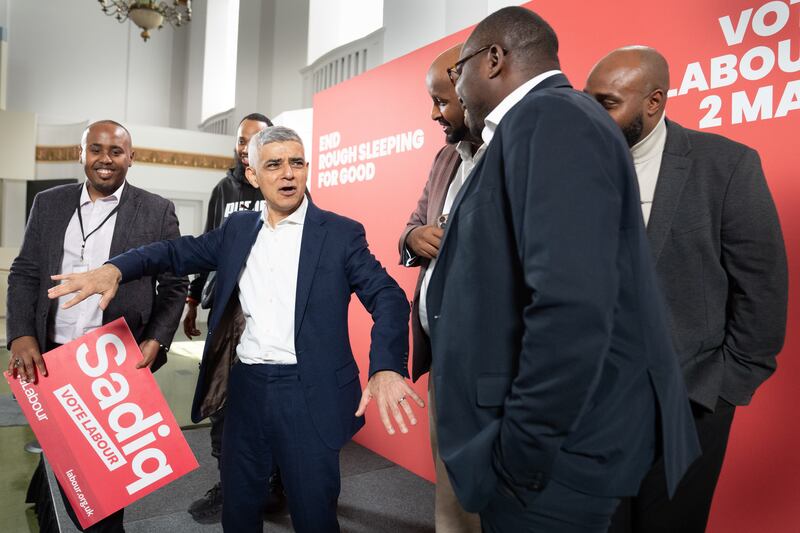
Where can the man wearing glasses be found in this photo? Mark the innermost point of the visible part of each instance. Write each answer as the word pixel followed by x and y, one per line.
pixel 419 245
pixel 556 383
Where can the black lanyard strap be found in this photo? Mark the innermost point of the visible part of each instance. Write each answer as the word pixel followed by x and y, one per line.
pixel 83 233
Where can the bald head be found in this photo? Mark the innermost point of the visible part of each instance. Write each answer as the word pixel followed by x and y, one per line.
pixel 106 154
pixel 444 61
pixel 446 109
pixel 531 38
pixel 105 123
pixel 631 83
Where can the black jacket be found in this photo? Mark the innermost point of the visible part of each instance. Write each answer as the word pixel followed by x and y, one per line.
pixel 232 193
pixel 720 258
pixel 551 347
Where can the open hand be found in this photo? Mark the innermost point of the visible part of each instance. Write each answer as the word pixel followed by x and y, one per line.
pixel 391 392
pixel 103 280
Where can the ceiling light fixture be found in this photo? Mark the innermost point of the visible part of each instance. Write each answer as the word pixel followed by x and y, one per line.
pixel 149 14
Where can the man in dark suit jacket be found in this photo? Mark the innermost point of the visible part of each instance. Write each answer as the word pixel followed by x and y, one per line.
pixel 716 240
pixel 419 246
pixel 556 382
pixel 295 389
pixel 56 235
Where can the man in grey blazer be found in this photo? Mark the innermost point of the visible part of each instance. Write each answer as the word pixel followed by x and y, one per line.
pixel 78 227
pixel 720 258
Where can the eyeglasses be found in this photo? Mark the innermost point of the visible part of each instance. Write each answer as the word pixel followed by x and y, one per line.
pixel 454 72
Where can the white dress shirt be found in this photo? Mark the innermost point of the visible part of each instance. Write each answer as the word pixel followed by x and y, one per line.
pixel 268 289
pixel 493 119
pixel 81 319
pixel 647 155
pixel 468 162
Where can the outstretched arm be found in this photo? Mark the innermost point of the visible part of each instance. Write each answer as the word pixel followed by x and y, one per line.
pixel 181 256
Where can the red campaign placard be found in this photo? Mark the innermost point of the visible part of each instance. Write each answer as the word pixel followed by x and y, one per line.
pixel 103 424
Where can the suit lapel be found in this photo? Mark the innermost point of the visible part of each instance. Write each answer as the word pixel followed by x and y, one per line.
pixel 128 209
pixel 243 247
pixel 61 218
pixel 238 253
pixel 465 190
pixel 672 177
pixel 314 234
pixel 554 81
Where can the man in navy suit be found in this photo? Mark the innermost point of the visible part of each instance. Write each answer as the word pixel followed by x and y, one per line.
pixel 556 383
pixel 284 281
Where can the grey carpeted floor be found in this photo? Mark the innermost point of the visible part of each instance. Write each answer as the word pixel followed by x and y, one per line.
pixel 377 496
pixel 10 413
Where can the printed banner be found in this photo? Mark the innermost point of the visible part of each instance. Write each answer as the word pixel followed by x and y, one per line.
pixel 103 424
pixel 735 71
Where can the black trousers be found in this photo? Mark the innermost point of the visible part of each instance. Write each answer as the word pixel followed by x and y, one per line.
pixel 217 427
pixel 651 511
pixel 556 509
pixel 110 524
pixel 268 421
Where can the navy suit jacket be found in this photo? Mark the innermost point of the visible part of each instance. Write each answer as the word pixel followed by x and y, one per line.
pixel 551 351
pixel 335 261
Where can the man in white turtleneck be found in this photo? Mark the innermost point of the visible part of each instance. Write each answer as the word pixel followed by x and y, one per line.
pixel 647 154
pixel 721 263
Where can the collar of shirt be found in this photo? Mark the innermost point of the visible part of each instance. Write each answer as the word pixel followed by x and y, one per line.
pixel 493 119
pixel 653 144
pixel 464 149
pixel 297 217
pixel 115 196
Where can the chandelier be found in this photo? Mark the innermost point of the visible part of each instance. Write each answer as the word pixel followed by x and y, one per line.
pixel 148 14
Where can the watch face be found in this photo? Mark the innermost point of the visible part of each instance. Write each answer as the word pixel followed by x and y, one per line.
pixel 442 221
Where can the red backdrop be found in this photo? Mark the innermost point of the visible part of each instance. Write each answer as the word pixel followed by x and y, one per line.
pixel 735 70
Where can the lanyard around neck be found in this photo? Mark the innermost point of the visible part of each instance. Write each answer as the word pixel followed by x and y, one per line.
pixel 84 236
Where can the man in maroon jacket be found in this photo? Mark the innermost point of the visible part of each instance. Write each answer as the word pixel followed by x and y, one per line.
pixel 419 245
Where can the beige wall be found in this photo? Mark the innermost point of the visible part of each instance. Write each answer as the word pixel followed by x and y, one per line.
pixel 17 145
pixel 188 187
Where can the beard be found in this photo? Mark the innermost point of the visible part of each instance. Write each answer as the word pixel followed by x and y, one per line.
pixel 238 166
pixel 106 188
pixel 456 135
pixel 633 130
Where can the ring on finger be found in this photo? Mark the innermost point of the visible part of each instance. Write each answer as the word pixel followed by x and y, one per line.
pixel 17 362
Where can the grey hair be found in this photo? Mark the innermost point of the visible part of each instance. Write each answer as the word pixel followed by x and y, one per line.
pixel 272 134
